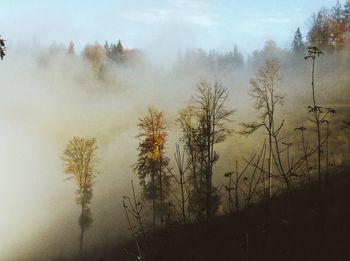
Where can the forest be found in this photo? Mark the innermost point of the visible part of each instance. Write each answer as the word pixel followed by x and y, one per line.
pixel 216 156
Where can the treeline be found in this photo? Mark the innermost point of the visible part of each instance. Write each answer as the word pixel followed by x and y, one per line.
pixel 115 53
pixel 100 57
pixel 329 29
pixel 212 61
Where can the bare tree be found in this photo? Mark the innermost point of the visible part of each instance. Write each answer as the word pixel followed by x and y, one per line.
pixel 346 126
pixel 255 179
pixel 205 126
pixel 234 180
pixel 134 208
pixel 319 113
pixel 181 180
pixel 305 150
pixel 79 157
pixel 264 91
pixel 188 123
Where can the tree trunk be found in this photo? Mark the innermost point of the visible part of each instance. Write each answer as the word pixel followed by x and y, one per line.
pixel 316 115
pixel 182 197
pixel 269 164
pixel 153 198
pixel 236 189
pixel 161 192
pixel 208 176
pixel 82 229
pixel 306 157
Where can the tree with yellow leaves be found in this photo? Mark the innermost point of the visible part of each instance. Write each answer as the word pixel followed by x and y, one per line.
pixel 95 55
pixel 79 157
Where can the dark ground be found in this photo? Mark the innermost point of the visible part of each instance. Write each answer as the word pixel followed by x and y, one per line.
pixel 315 227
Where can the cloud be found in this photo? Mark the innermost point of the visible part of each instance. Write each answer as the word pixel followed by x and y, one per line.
pixel 298 9
pixel 179 11
pixel 274 18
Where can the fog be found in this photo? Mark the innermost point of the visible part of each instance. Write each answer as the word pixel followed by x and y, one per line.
pixel 47 98
pixel 43 105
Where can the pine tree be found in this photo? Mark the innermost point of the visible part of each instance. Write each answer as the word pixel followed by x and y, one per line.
pixel 237 57
pixel 107 50
pixel 115 52
pixel 71 48
pixel 298 43
pixel 2 48
pixel 119 47
pixel 347 11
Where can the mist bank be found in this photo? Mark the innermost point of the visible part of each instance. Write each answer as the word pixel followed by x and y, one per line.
pixel 49 95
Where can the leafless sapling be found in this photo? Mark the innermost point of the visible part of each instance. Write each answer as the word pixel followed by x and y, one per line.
pixel 305 149
pixel 313 53
pixel 234 184
pixel 181 180
pixel 134 207
pixel 264 91
pixel 252 182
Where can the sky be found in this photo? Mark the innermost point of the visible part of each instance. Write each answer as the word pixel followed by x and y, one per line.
pixel 167 25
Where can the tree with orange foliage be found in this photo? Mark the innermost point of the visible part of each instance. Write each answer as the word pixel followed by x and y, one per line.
pixel 338 27
pixel 152 162
pixel 329 29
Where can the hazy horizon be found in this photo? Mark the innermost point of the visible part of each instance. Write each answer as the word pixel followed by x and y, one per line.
pixel 169 26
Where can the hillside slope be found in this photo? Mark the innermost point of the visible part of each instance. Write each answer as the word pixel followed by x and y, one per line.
pixel 316 227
